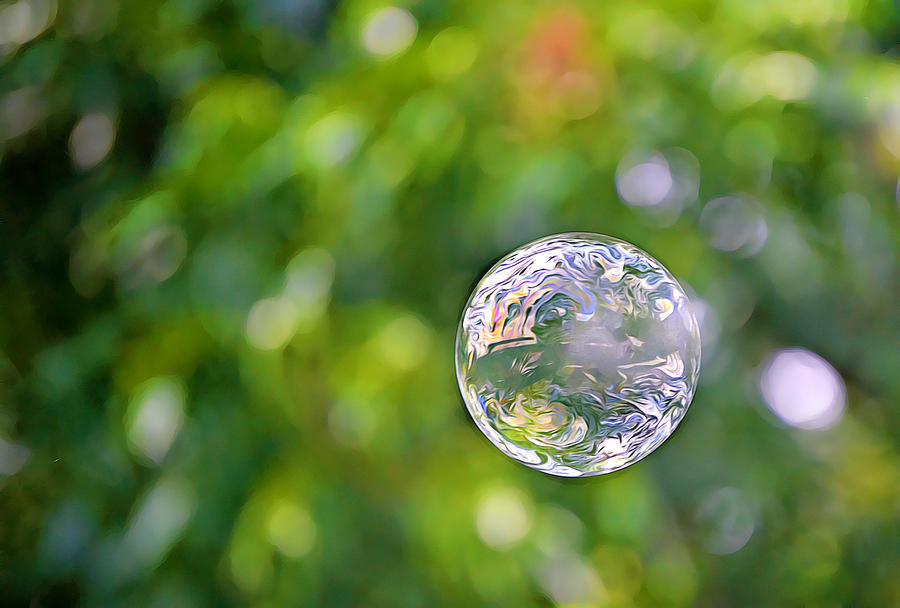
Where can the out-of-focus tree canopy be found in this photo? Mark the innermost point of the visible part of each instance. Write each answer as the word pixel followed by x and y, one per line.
pixel 236 238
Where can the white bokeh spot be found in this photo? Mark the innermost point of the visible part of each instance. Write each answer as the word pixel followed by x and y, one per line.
pixel 803 389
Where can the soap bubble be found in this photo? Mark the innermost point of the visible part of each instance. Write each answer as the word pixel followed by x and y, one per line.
pixel 577 354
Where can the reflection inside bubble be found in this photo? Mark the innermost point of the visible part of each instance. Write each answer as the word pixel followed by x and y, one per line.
pixel 578 354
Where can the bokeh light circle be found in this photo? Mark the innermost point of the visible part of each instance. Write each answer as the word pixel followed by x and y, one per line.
pixel 803 389
pixel 577 354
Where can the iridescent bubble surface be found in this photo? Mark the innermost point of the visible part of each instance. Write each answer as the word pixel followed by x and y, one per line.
pixel 577 354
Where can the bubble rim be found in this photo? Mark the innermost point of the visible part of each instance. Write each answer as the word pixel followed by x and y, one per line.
pixel 592 237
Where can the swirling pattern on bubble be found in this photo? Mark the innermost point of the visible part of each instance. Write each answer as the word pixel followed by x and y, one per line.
pixel 577 354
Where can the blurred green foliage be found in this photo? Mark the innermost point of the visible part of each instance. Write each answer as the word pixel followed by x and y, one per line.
pixel 237 236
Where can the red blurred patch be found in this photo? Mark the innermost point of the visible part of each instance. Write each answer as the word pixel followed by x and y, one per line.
pixel 557 45
pixel 557 76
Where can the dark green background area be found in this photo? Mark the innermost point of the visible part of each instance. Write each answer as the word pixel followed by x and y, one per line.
pixel 236 238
